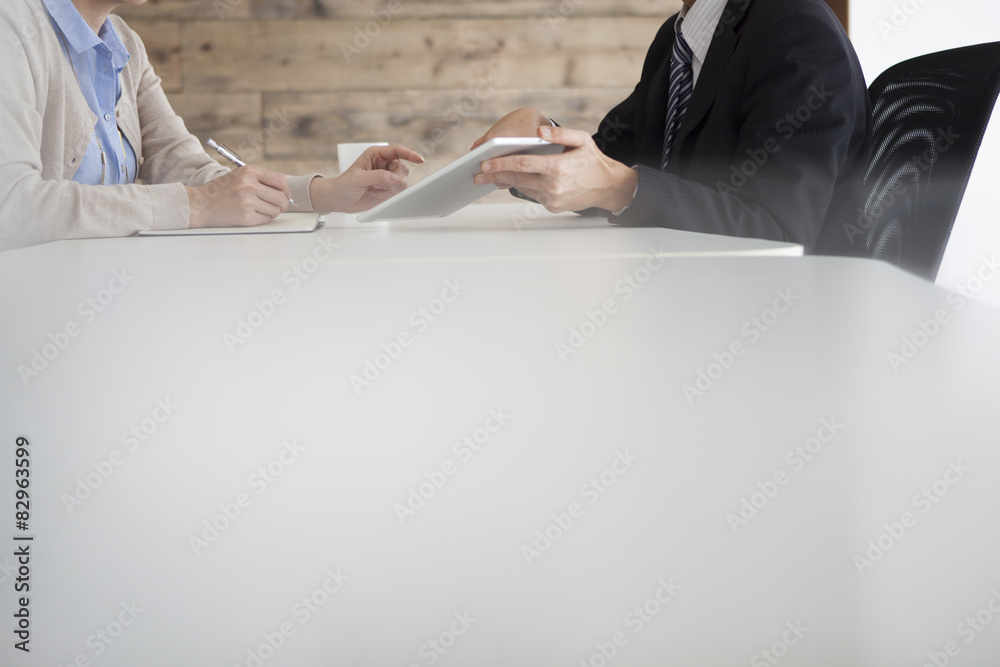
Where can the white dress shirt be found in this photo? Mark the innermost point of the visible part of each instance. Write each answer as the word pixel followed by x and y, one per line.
pixel 698 28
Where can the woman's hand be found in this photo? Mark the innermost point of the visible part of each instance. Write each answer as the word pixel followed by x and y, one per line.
pixel 520 123
pixel 245 197
pixel 377 175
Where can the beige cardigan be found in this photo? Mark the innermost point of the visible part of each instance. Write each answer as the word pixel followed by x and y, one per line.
pixel 46 126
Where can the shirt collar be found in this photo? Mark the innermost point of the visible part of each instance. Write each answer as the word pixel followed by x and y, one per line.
pixel 80 37
pixel 699 24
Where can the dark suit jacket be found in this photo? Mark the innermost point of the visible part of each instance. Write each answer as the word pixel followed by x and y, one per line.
pixel 776 135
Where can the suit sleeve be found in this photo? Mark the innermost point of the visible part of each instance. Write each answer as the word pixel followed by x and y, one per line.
pixel 615 137
pixel 800 105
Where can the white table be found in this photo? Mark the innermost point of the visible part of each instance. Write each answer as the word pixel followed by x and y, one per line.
pixel 317 558
pixel 476 233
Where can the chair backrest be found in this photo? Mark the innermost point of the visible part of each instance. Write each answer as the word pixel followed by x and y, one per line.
pixel 930 114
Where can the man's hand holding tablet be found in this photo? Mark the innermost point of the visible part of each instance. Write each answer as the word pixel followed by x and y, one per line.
pixel 454 187
pixel 582 177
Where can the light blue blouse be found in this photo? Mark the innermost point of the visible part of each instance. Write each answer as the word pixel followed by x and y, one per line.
pixel 98 60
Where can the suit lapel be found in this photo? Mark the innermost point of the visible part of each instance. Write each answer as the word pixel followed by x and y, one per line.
pixel 712 73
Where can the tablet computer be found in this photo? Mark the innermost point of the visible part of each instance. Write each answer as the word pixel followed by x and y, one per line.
pixel 446 191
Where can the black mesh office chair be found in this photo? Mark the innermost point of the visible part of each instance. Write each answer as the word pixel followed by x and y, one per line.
pixel 930 115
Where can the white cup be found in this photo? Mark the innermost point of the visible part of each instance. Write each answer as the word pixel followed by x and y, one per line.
pixel 348 154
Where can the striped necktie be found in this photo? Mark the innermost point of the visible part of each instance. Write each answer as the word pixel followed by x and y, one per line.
pixel 681 87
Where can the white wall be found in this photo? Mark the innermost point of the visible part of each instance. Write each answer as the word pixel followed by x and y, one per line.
pixel 885 32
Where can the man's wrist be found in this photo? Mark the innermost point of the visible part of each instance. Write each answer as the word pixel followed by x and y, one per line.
pixel 624 190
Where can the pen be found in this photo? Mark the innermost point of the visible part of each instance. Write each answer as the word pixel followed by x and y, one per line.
pixel 225 152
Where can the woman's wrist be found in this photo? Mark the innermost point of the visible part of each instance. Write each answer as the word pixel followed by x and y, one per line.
pixel 194 209
pixel 321 194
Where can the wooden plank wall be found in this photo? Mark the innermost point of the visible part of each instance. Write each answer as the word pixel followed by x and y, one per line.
pixel 283 81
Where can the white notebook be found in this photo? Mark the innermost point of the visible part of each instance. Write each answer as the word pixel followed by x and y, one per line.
pixel 286 223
